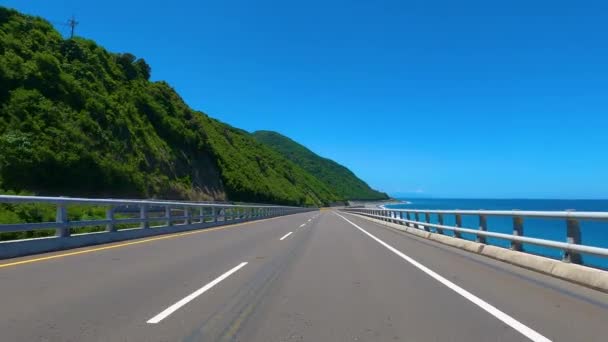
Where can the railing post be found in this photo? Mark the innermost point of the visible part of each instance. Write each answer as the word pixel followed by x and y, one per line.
pixel 483 226
pixel 518 230
pixel 573 236
pixel 401 217
pixel 458 219
pixel 168 215
pixel 61 217
pixel 201 214
pixel 440 222
pixel 143 214
pixel 417 219
pixel 188 215
pixel 110 227
pixel 427 219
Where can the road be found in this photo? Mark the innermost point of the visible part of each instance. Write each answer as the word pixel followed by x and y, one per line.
pixel 314 276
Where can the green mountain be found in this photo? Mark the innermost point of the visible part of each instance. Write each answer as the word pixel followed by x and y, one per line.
pixel 78 120
pixel 338 178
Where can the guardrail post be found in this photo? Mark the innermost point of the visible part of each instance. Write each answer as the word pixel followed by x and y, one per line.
pixel 188 215
pixel 483 226
pixel 416 218
pixel 409 218
pixel 518 230
pixel 440 222
pixel 168 215
pixel 427 219
pixel 110 227
pixel 143 214
pixel 201 214
pixel 573 236
pixel 458 219
pixel 401 217
pixel 61 217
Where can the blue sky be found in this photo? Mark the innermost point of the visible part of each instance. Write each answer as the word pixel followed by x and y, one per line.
pixel 444 98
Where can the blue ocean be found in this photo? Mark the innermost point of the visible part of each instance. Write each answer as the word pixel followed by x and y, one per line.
pixel 593 233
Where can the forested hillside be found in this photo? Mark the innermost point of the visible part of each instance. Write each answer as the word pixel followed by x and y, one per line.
pixel 78 120
pixel 338 178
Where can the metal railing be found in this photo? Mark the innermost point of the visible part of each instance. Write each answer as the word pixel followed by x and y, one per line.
pixel 571 247
pixel 147 212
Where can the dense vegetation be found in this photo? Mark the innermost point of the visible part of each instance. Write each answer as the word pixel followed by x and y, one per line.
pixel 78 120
pixel 338 178
pixel 254 172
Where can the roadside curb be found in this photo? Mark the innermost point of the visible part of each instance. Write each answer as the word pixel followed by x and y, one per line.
pixel 590 277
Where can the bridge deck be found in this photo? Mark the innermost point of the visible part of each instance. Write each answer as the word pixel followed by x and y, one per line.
pixel 326 281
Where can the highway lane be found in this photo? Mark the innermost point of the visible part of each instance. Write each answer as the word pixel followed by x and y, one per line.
pixel 305 277
pixel 109 295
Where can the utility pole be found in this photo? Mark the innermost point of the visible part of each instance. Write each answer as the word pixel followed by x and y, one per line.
pixel 72 23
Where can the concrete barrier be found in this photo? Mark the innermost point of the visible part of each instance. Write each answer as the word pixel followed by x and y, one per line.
pixel 18 248
pixel 582 275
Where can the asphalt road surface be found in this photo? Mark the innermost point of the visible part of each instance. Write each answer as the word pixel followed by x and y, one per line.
pixel 317 276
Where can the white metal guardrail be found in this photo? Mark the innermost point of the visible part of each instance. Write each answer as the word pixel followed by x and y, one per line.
pixel 171 213
pixel 571 247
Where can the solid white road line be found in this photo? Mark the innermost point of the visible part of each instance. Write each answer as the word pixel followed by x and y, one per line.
pixel 302 225
pixel 286 235
pixel 168 311
pixel 508 320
